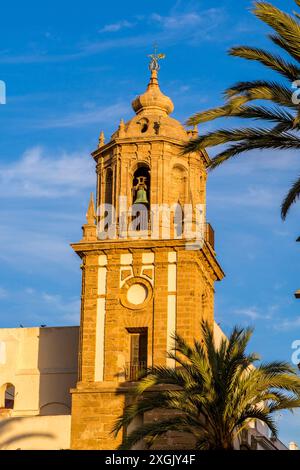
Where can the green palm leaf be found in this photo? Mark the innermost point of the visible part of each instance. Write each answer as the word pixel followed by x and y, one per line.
pixel 288 70
pixel 212 394
pixel 279 117
pixel 290 198
pixel 285 25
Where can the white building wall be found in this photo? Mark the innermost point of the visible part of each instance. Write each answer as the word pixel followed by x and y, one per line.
pixel 41 363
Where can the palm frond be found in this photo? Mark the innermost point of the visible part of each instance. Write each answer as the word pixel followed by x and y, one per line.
pixel 280 42
pixel 285 25
pixel 288 70
pixel 256 414
pixel 212 394
pixel 262 140
pixel 290 198
pixel 263 90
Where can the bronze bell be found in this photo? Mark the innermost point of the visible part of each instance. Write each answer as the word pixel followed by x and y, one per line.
pixel 141 197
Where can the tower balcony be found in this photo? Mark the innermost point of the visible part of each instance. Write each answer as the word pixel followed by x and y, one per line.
pixel 169 231
pixel 134 370
pixel 210 235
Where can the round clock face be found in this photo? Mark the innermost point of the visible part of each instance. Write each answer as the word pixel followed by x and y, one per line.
pixel 137 294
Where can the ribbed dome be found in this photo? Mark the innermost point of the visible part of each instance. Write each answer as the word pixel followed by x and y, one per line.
pixel 153 98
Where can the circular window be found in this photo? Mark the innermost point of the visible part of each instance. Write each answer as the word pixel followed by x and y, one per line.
pixel 137 294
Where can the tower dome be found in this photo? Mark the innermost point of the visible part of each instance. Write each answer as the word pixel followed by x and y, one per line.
pixel 153 99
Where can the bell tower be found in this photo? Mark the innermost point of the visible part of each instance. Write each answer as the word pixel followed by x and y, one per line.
pixel 143 277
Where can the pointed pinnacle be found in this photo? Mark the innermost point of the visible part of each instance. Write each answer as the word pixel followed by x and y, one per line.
pixel 91 214
pixel 101 139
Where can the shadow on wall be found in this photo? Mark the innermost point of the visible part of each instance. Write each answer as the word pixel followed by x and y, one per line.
pixel 57 364
pixel 11 438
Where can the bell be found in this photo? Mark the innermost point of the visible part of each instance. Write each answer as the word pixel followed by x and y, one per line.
pixel 141 197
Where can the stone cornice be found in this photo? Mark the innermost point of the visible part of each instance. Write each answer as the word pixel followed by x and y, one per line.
pixel 143 140
pixel 105 246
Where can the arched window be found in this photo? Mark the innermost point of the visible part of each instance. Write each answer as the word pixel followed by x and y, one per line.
pixel 108 198
pixel 179 185
pixel 108 186
pixel 7 398
pixel 144 123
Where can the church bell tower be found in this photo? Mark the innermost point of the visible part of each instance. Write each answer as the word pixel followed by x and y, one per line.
pixel 139 285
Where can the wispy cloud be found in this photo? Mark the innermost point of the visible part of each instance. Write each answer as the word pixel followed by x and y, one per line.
pixel 114 27
pixel 67 309
pixel 3 293
pixel 190 26
pixel 41 174
pixel 258 162
pixel 83 118
pixel 29 249
pixel 249 312
pixel 254 313
pixel 287 324
pixel 250 197
pixel 271 313
pixel 193 25
pixel 43 307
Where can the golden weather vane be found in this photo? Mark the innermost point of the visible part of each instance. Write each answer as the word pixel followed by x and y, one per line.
pixel 154 64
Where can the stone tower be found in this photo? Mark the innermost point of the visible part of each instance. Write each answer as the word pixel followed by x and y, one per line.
pixel 138 288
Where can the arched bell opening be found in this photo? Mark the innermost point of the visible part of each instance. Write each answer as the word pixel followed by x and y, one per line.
pixel 141 191
pixel 108 196
pixel 141 185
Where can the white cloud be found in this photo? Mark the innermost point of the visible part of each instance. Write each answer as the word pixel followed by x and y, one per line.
pixel 29 249
pixel 3 293
pixel 67 309
pixel 269 313
pixel 29 291
pixel 41 174
pixel 288 324
pixel 253 313
pixel 256 162
pixel 114 27
pixel 191 26
pixel 180 20
pixel 250 312
pixel 83 118
pixel 48 308
pixel 250 197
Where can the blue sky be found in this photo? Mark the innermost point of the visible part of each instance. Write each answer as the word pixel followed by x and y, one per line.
pixel 71 70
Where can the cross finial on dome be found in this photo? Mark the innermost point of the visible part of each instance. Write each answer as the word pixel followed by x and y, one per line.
pixel 153 100
pixel 154 64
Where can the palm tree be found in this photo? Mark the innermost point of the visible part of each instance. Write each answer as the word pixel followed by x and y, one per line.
pixel 212 393
pixel 279 117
